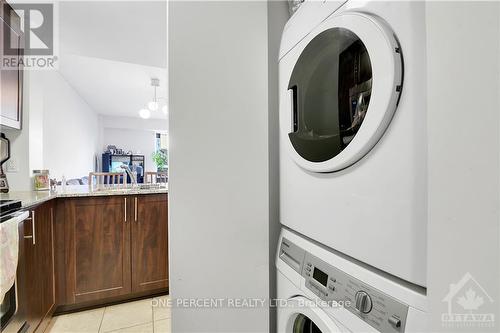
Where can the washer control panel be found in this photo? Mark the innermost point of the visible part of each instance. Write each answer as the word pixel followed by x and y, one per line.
pixel 331 285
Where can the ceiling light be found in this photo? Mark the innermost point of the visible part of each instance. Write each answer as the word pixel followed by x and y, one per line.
pixel 164 109
pixel 153 105
pixel 144 113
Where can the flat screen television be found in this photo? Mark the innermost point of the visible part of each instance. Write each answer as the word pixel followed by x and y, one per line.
pixel 113 163
pixel 116 166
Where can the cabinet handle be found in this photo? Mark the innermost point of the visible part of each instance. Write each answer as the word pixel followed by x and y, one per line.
pixel 135 217
pixel 125 209
pixel 32 219
pixel 34 226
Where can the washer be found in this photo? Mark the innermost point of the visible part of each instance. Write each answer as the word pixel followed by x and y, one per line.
pixel 353 131
pixel 322 291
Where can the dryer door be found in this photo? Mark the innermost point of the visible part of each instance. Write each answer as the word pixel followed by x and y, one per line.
pixel 302 315
pixel 339 90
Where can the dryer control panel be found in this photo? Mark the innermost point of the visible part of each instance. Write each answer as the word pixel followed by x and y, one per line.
pixel 379 310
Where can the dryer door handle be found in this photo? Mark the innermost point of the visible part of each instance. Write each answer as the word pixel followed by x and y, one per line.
pixel 294 116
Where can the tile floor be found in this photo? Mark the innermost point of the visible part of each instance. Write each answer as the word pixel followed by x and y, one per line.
pixel 145 316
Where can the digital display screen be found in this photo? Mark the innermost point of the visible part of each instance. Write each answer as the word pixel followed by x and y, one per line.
pixel 320 276
pixel 116 166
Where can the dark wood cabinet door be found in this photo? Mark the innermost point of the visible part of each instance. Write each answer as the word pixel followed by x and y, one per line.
pixel 99 248
pixel 149 242
pixel 44 247
pixel 33 299
pixel 38 267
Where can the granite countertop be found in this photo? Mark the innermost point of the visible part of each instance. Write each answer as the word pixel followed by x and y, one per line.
pixel 31 198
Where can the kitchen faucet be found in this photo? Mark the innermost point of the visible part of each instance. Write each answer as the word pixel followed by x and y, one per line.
pixel 133 177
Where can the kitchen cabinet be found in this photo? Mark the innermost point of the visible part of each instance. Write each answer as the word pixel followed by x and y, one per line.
pixel 38 266
pixel 11 78
pixel 149 242
pixel 98 246
pixel 111 248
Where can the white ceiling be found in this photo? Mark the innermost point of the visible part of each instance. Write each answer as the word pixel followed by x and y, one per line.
pixel 111 87
pixel 109 51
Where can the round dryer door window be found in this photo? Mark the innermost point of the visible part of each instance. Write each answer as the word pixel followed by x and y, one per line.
pixel 342 89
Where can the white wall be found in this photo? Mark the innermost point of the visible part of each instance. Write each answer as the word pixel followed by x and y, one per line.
pixel 135 134
pixel 19 145
pixel 70 130
pixel 158 125
pixel 60 131
pixel 463 43
pixel 219 162
pixel 140 142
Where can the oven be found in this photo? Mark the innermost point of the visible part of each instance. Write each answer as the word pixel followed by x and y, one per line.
pixel 8 307
pixel 13 320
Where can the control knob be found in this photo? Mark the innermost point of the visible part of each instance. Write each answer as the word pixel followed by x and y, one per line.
pixel 363 302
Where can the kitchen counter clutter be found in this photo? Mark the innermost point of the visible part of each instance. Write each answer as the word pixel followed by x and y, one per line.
pixel 32 198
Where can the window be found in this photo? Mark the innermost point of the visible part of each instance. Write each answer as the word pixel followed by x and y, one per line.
pixel 162 142
pixel 160 156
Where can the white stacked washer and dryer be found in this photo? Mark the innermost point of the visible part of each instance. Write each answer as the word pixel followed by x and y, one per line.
pixel 353 167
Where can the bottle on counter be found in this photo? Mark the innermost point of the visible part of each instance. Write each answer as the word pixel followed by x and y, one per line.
pixel 63 183
pixel 53 184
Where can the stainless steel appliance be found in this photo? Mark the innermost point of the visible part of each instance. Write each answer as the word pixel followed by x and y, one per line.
pixel 4 156
pixel 9 206
pixel 12 318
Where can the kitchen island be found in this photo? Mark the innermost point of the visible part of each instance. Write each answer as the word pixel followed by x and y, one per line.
pixel 84 248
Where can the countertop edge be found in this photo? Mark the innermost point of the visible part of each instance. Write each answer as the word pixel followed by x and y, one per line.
pixel 34 198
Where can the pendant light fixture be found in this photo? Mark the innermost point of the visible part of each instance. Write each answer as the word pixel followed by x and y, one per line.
pixel 144 113
pixel 154 104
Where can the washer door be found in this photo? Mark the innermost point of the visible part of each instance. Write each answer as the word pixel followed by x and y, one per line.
pixel 301 315
pixel 341 93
